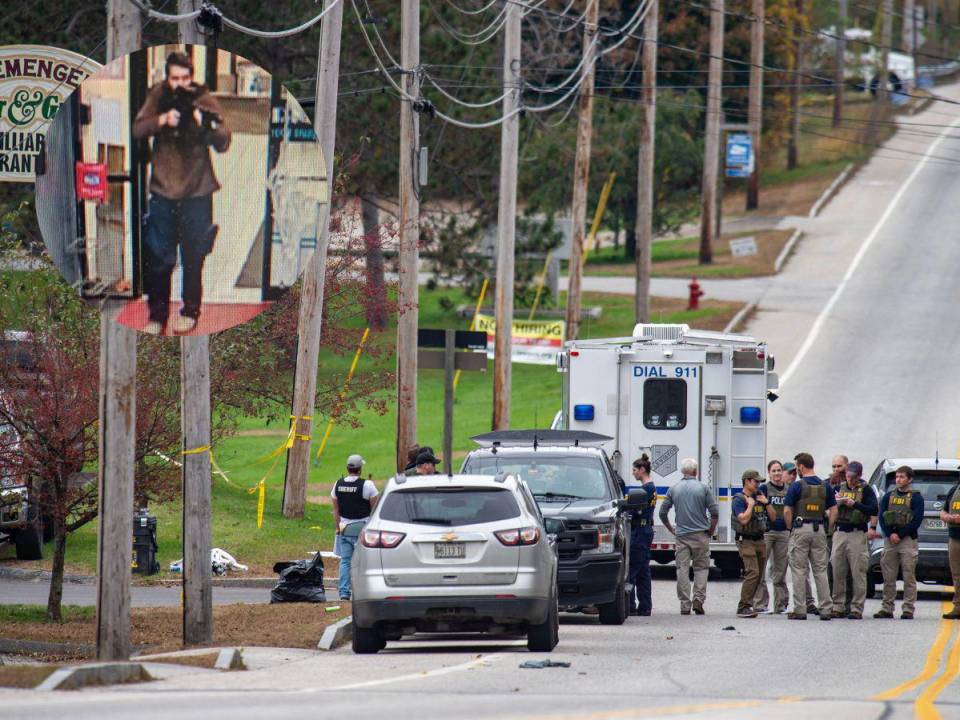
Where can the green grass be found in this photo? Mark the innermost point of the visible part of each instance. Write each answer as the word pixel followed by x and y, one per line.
pixel 38 613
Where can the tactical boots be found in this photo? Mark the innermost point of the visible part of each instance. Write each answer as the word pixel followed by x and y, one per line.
pixel 953 614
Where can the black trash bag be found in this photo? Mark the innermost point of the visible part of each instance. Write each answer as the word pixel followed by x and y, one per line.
pixel 300 581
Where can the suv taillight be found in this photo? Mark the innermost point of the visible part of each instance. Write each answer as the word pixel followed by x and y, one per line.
pixel 519 536
pixel 381 538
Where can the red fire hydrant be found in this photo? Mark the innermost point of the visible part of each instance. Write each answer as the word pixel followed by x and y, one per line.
pixel 695 294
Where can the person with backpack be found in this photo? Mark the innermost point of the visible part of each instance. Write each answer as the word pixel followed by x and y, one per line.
pixel 353 499
pixel 752 514
pixel 901 514
pixel 641 539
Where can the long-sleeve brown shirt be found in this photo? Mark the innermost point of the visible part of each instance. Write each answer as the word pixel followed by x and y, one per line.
pixel 180 166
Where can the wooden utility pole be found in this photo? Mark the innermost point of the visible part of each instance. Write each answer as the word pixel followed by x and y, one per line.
pixel 648 125
pixel 886 40
pixel 581 170
pixel 755 99
pixel 711 153
pixel 796 80
pixel 195 420
pixel 840 63
pixel 117 428
pixel 311 293
pixel 507 217
pixel 907 34
pixel 409 234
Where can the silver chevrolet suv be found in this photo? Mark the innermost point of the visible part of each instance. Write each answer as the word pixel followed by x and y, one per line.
pixel 455 553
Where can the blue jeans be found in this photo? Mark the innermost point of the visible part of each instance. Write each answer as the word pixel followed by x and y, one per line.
pixel 641 538
pixel 344 548
pixel 172 225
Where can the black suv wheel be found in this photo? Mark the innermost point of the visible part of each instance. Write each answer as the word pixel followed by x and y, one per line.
pixel 614 613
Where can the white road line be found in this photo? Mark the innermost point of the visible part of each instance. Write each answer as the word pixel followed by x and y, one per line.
pixel 868 241
pixel 477 662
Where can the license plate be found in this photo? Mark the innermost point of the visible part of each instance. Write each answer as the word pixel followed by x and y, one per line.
pixel 935 524
pixel 443 551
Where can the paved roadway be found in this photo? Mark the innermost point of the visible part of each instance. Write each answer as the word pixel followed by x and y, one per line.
pixel 662 666
pixel 35 593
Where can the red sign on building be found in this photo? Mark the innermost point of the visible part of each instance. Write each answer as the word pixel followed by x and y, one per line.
pixel 91 181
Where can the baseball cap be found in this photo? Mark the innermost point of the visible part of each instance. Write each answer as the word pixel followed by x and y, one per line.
pixel 855 468
pixel 355 461
pixel 789 467
pixel 749 475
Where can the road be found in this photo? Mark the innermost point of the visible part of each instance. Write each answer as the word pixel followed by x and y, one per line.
pixel 664 665
pixel 35 593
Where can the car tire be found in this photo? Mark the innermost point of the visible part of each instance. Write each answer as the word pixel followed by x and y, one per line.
pixel 543 637
pixel 614 613
pixel 367 641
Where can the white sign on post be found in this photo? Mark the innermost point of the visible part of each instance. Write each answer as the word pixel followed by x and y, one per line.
pixel 742 247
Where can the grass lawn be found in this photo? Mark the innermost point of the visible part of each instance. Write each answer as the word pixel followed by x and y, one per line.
pixel 536 398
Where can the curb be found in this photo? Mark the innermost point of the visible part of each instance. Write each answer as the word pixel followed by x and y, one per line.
pixel 786 250
pixel 45 576
pixel 831 190
pixel 738 318
pixel 337 634
pixel 33 647
pixel 76 677
pixel 37 575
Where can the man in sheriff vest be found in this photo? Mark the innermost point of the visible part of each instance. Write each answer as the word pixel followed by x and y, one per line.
pixel 810 507
pixel 752 515
pixel 951 516
pixel 856 508
pixel 776 541
pixel 353 499
pixel 901 513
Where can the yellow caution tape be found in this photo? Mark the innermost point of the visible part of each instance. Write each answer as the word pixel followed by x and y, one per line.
pixel 206 448
pixel 288 442
pixel 261 499
pixel 343 394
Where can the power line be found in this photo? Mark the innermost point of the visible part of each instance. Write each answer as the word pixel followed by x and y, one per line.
pixel 893 13
pixel 210 8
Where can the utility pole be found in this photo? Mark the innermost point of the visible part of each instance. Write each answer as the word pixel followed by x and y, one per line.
pixel 840 62
pixel 409 233
pixel 195 421
pixel 907 34
pixel 311 293
pixel 755 99
pixel 581 170
pixel 795 82
pixel 886 32
pixel 648 125
pixel 711 153
pixel 507 216
pixel 117 427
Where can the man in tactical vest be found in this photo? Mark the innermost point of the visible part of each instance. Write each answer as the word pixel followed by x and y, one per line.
pixel 353 499
pixel 775 541
pixel 901 513
pixel 641 538
pixel 951 516
pixel 810 507
pixel 856 508
pixel 752 514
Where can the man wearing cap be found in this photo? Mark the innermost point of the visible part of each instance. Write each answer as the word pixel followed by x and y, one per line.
pixel 789 473
pixel 856 509
pixel 752 515
pixel 353 499
pixel 424 456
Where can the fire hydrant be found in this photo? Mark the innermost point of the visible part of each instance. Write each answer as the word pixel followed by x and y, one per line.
pixel 695 294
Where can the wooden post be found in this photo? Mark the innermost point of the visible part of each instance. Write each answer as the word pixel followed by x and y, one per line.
pixel 197 529
pixel 886 41
pixel 507 218
pixel 581 171
pixel 407 320
pixel 711 153
pixel 796 80
pixel 117 430
pixel 449 362
pixel 311 293
pixel 755 99
pixel 195 421
pixel 907 35
pixel 840 62
pixel 648 124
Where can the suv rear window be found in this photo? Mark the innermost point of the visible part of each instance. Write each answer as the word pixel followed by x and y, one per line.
pixel 450 506
pixel 580 477
pixel 934 485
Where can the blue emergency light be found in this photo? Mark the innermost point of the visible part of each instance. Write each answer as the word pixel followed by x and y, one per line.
pixel 750 415
pixel 583 413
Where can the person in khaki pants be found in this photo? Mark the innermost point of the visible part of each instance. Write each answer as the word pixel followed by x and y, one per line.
pixel 696 513
pixel 901 513
pixel 856 508
pixel 776 540
pixel 810 507
pixel 951 516
pixel 752 515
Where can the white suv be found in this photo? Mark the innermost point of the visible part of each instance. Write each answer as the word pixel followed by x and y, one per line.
pixel 455 553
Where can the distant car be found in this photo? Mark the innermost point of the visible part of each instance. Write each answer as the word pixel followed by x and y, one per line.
pixel 457 553
pixel 933 478
pixel 581 497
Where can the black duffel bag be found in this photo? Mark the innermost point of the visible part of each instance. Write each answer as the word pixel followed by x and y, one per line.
pixel 300 581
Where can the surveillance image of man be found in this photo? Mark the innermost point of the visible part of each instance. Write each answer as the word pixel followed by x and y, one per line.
pixel 183 121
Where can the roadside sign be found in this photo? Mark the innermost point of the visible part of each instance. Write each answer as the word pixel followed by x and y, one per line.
pixel 34 81
pixel 91 181
pixel 740 156
pixel 463 339
pixel 742 247
pixel 535 342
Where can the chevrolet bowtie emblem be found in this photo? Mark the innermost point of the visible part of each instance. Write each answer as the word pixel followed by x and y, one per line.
pixel 448 537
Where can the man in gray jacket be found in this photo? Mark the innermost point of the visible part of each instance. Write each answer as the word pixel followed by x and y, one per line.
pixel 696 514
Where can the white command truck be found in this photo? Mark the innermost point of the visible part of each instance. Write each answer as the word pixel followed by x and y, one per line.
pixel 674 393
